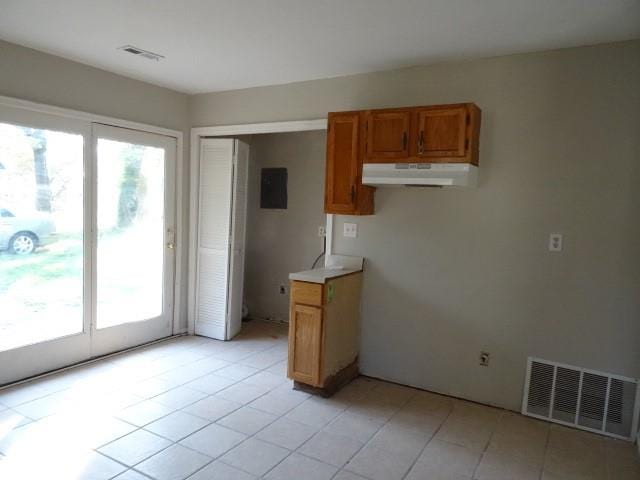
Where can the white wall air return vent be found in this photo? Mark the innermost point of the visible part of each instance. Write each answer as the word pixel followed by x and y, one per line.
pixel 586 399
pixel 140 52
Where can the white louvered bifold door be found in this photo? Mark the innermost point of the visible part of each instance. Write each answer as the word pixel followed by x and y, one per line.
pixel 238 235
pixel 214 228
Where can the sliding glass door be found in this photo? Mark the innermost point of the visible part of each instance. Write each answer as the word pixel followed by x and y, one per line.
pixel 86 240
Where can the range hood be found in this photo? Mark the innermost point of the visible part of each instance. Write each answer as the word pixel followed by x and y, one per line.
pixel 420 174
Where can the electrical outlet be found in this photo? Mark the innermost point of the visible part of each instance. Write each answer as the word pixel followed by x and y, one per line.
pixel 350 230
pixel 322 231
pixel 484 359
pixel 283 289
pixel 555 242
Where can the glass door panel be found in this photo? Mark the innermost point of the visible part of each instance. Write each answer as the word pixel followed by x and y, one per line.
pixel 41 235
pixel 45 294
pixel 130 232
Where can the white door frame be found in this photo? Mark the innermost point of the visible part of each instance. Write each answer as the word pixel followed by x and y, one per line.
pixel 228 131
pixel 181 245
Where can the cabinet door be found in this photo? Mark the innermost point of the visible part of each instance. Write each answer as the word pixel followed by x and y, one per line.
pixel 387 135
pixel 442 132
pixel 305 344
pixel 342 163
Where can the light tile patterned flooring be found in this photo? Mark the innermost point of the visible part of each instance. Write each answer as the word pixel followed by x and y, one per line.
pixel 201 409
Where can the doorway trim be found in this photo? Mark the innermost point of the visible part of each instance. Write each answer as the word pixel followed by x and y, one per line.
pixel 117 122
pixel 225 131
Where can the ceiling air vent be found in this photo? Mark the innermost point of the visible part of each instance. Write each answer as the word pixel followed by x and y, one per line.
pixel 140 52
pixel 586 399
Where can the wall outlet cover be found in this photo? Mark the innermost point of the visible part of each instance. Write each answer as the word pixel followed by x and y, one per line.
pixel 484 359
pixel 350 230
pixel 555 242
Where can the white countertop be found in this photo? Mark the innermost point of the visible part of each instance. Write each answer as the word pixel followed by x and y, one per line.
pixel 335 266
pixel 321 275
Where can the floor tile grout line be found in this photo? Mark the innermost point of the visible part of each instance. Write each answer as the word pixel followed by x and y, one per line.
pixel 145 398
pixel 546 449
pixel 137 471
pixel 486 447
pixel 71 368
pixel 364 444
pixel 106 391
pixel 182 409
pixel 350 406
pixel 214 422
pixel 430 438
pixel 129 467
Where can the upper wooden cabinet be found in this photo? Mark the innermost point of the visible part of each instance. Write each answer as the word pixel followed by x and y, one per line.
pixel 426 134
pixel 442 132
pixel 344 192
pixel 432 134
pixel 388 134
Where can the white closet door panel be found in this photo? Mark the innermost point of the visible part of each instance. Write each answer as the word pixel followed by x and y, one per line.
pixel 214 229
pixel 239 221
pixel 212 293
pixel 216 168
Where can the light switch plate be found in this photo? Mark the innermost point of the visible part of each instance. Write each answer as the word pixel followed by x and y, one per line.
pixel 555 242
pixel 350 230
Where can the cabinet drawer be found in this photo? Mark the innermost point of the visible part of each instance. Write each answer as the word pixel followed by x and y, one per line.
pixel 306 293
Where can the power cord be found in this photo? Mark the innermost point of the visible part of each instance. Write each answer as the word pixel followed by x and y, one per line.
pixel 324 249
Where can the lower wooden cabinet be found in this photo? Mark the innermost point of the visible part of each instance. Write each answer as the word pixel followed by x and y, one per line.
pixel 324 332
pixel 304 349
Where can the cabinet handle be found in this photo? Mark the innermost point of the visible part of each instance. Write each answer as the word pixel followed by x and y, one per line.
pixel 353 193
pixel 404 140
pixel 421 143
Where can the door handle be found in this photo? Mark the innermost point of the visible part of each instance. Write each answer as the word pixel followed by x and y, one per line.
pixel 421 143
pixel 404 140
pixel 353 193
pixel 170 238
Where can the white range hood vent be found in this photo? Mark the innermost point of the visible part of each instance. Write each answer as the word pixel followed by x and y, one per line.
pixel 420 174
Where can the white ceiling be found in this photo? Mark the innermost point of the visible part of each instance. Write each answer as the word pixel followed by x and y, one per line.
pixel 213 45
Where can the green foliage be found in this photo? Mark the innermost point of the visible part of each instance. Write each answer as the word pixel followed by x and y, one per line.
pixel 38 141
pixel 62 259
pixel 131 192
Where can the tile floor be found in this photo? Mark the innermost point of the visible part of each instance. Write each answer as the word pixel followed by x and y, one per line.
pixel 201 409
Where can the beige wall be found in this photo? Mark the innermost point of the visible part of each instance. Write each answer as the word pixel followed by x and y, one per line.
pixel 452 272
pixel 39 77
pixel 283 241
